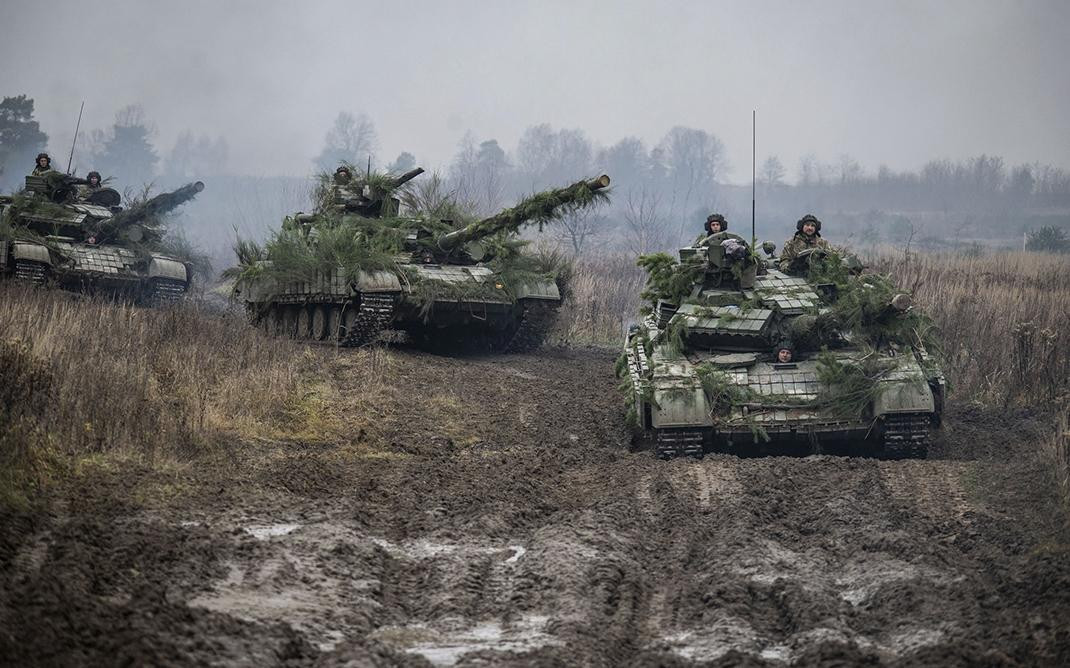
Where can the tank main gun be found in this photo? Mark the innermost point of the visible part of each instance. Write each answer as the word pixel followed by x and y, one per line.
pixel 405 178
pixel 541 207
pixel 131 222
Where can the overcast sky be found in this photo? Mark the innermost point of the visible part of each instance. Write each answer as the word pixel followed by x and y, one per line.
pixel 897 83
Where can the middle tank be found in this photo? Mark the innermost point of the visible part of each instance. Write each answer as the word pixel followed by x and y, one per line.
pixel 358 265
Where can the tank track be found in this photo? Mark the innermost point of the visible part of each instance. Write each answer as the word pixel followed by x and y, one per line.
pixel 679 443
pixel 167 291
pixel 906 436
pixel 536 321
pixel 374 313
pixel 33 273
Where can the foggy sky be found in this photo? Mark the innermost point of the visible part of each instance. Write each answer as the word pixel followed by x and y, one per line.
pixel 896 83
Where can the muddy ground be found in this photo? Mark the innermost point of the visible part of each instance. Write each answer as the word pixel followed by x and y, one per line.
pixel 520 529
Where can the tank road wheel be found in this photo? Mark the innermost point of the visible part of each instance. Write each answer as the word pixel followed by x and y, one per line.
pixel 31 272
pixel 319 322
pixel 349 318
pixel 334 322
pixel 289 321
pixel 273 320
pixel 304 321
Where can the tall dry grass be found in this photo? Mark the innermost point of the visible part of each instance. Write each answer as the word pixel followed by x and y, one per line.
pixel 603 295
pixel 1004 319
pixel 84 376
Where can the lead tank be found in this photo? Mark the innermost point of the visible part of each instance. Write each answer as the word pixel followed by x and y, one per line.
pixel 703 370
pixel 356 267
pixel 57 233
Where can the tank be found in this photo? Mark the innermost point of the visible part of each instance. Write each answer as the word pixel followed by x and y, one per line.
pixel 703 370
pixel 56 232
pixel 356 267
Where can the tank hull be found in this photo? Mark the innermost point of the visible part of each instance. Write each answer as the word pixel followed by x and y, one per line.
pixel 470 306
pixel 107 270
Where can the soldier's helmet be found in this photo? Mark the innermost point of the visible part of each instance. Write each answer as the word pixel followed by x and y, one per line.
pixel 90 175
pixel 342 174
pixel 808 218
pixel 45 156
pixel 715 218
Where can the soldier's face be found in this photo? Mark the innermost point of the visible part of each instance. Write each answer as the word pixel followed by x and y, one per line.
pixel 42 162
pixel 715 227
pixel 809 229
pixel 93 180
pixel 783 356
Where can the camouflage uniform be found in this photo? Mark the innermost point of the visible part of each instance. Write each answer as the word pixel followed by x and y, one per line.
pixel 798 244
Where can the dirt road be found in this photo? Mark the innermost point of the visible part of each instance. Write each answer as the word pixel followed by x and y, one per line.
pixel 504 521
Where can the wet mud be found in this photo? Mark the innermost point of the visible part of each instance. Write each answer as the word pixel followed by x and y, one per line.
pixel 528 532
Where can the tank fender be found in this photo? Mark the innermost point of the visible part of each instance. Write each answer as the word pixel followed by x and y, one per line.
pixel 904 396
pixel 679 407
pixel 162 267
pixel 376 281
pixel 30 251
pixel 546 290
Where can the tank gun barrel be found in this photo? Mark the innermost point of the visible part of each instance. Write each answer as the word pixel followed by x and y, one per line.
pixel 406 177
pixel 540 207
pixel 158 205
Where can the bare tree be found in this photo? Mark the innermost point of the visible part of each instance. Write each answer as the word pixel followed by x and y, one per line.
pixel 351 139
pixel 579 227
pixel 644 226
pixel 772 173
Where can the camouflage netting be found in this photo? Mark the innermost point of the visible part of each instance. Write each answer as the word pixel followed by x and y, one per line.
pixel 305 248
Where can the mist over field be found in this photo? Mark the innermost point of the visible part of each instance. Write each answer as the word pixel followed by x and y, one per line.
pixel 890 121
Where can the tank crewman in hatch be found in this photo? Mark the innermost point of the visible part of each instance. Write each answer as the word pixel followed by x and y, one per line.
pixel 784 353
pixel 715 224
pixel 807 237
pixel 44 165
pixel 91 185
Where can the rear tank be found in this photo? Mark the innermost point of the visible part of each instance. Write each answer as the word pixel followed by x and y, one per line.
pixel 55 233
pixel 705 369
pixel 357 267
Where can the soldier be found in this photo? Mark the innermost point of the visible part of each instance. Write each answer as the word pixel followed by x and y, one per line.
pixel 784 353
pixel 715 223
pixel 807 237
pixel 43 166
pixel 342 175
pixel 91 185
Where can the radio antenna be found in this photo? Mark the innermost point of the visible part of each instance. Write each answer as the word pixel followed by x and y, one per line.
pixel 753 170
pixel 77 127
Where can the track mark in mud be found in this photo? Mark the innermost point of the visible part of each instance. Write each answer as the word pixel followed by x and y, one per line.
pixel 714 482
pixel 934 488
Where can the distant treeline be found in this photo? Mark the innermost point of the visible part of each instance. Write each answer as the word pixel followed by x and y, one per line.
pixel 661 192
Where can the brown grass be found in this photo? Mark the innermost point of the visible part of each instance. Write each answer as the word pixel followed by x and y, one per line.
pixel 83 377
pixel 603 295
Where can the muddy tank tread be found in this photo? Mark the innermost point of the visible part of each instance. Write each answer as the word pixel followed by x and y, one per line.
pixel 374 313
pixel 31 272
pixel 906 436
pixel 167 291
pixel 536 321
pixel 679 443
